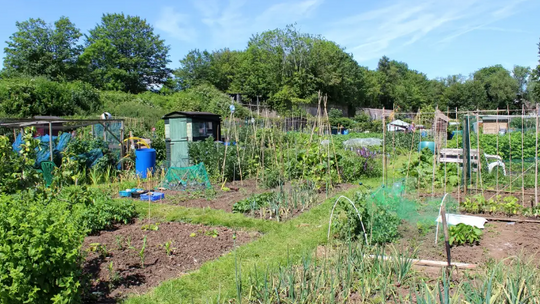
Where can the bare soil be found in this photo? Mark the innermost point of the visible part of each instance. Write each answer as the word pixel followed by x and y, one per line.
pixel 114 266
pixel 499 241
pixel 222 200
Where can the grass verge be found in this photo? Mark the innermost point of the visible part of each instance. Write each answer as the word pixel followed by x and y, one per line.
pixel 282 242
pixel 205 216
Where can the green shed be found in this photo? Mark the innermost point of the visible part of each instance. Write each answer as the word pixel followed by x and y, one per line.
pixel 183 127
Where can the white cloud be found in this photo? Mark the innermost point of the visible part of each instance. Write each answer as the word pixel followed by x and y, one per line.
pixel 176 25
pixel 372 34
pixel 288 12
pixel 230 24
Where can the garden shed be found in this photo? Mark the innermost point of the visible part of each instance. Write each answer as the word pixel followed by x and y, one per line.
pixel 184 127
pixel 398 125
pixel 493 124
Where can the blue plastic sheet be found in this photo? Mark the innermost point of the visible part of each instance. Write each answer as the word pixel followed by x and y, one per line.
pixel 17 143
pixel 59 144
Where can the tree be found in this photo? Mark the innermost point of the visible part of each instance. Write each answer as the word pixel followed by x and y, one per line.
pixel 468 95
pixel 534 86
pixel 225 67
pixel 286 68
pixel 123 53
pixel 521 76
pixel 501 89
pixel 403 88
pixel 39 49
pixel 195 69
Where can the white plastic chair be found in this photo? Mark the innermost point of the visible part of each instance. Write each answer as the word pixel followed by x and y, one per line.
pixel 497 162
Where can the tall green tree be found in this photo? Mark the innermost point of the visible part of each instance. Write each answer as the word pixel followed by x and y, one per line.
pixel 405 89
pixel 501 89
pixel 195 69
pixel 225 67
pixel 40 49
pixel 534 85
pixel 521 76
pixel 123 53
pixel 287 67
pixel 466 95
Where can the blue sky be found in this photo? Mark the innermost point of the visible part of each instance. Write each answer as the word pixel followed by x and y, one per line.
pixel 437 37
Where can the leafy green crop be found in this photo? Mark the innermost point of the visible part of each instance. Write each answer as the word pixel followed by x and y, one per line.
pixel 464 234
pixel 41 232
pixel 254 202
pixel 39 251
pixel 478 204
pixel 95 211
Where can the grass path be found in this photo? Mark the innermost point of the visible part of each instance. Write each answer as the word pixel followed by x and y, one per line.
pixel 216 279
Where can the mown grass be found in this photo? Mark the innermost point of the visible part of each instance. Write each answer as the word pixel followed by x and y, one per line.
pixel 282 243
pixel 205 216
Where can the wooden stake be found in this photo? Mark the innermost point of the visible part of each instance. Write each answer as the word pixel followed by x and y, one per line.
pixel 435 139
pixel 457 165
pixel 122 151
pixel 228 138
pixel 50 141
pixel 522 158
pixel 498 130
pixel 509 146
pixel 479 166
pixel 428 263
pixel 536 159
pixel 446 236
pixel 384 145
pixel 497 219
pixel 410 154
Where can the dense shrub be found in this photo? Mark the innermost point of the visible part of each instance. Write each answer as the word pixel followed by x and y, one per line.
pixel 152 106
pixel 26 97
pixel 39 251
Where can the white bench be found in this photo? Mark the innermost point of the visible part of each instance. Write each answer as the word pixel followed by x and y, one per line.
pixel 456 156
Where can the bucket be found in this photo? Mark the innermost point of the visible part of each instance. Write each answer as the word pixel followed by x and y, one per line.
pixel 426 144
pixel 145 160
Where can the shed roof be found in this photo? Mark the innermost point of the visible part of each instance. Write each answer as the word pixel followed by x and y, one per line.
pixel 206 115
pixel 399 123
pixel 499 117
pixel 441 115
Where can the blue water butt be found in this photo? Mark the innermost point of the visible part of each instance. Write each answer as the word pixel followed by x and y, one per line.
pixel 426 144
pixel 145 160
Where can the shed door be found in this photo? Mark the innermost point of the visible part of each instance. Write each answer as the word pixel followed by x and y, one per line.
pixel 177 129
pixel 179 154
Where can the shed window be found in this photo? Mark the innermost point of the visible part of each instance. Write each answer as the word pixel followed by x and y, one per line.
pixel 202 129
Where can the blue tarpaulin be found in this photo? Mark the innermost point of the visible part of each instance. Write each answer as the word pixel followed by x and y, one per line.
pixel 59 144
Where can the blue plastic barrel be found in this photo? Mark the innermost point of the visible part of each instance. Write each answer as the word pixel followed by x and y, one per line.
pixel 145 160
pixel 426 144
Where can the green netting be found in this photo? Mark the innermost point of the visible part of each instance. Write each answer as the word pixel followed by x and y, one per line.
pixel 186 178
pixel 112 136
pixel 411 206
